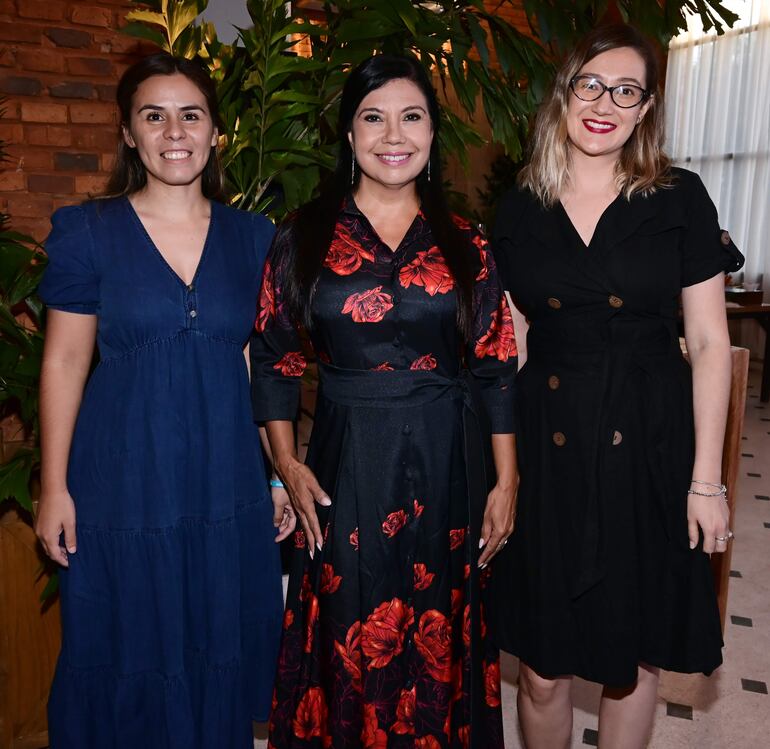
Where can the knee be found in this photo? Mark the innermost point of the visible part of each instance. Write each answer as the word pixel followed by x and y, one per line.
pixel 540 691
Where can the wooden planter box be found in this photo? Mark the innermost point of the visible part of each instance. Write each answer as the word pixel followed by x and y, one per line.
pixel 30 637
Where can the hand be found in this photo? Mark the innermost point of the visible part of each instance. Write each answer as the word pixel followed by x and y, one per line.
pixel 284 518
pixel 56 515
pixel 713 516
pixel 498 520
pixel 304 491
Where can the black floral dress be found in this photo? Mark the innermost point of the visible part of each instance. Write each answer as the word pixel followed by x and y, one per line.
pixel 384 639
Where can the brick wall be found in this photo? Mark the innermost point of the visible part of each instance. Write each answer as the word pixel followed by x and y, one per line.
pixel 59 64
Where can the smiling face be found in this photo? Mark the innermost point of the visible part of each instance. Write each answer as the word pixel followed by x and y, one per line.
pixel 601 127
pixel 391 134
pixel 171 129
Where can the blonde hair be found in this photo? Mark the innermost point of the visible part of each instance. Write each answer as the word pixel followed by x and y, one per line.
pixel 642 167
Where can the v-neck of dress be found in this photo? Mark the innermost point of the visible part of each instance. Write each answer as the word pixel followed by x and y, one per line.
pixel 574 230
pixel 351 207
pixel 143 229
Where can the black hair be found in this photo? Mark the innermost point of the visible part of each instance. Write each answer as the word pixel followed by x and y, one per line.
pixel 128 174
pixel 311 227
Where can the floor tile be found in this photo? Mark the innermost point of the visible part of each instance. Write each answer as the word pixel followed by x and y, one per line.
pixel 742 621
pixel 676 710
pixel 750 685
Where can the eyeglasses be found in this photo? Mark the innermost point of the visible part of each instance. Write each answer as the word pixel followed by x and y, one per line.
pixel 625 95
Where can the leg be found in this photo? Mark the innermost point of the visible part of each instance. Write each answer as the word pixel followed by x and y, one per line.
pixel 625 715
pixel 545 710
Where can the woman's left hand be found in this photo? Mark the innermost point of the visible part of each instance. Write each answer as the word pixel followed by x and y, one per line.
pixel 712 515
pixel 498 521
pixel 284 517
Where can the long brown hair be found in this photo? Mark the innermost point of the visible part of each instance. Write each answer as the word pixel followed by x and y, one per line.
pixel 642 167
pixel 128 174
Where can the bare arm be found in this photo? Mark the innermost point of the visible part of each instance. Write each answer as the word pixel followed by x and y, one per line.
pixel 708 345
pixel 301 484
pixel 69 348
pixel 520 328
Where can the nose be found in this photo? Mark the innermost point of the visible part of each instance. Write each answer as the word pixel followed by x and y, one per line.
pixel 173 129
pixel 604 104
pixel 393 133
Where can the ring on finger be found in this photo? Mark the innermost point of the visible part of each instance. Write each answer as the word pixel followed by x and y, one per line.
pixel 725 539
pixel 502 544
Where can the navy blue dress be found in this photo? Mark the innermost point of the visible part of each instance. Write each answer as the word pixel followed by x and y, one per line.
pixel 171 607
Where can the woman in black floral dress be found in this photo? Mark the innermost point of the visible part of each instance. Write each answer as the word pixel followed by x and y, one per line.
pixel 385 641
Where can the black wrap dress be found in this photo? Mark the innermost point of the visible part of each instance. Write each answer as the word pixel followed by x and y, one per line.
pixel 599 575
pixel 384 640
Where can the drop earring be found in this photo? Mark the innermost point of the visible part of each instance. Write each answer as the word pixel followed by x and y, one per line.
pixel 353 169
pixel 428 168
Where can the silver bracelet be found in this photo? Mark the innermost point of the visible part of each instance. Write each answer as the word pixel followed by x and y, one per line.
pixel 721 489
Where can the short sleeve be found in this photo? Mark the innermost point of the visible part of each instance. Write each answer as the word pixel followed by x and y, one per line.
pixel 263 230
pixel 70 282
pixel 707 249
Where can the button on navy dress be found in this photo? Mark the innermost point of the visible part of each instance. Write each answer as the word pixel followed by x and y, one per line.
pixel 171 606
pixel 598 575
pixel 385 640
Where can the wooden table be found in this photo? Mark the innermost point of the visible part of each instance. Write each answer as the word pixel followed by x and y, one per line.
pixel 760 313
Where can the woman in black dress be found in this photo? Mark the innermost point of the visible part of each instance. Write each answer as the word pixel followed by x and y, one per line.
pixel 607 574
pixel 385 642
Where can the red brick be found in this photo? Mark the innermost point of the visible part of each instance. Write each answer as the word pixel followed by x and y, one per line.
pixel 54 183
pixel 20 32
pixel 20 85
pixel 61 202
pixel 91 184
pixel 108 161
pixel 106 92
pixel 31 159
pixel 11 180
pixel 10 110
pixel 97 138
pixel 121 44
pixel 72 90
pixel 71 38
pixel 11 133
pixel 90 66
pixel 8 8
pixel 47 135
pixel 39 60
pixel 43 9
pixel 12 429
pixel 96 113
pixel 43 112
pixel 29 206
pixel 7 57
pixel 66 161
pixel 38 228
pixel 90 15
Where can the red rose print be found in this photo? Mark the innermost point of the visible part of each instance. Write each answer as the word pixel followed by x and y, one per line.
pixel 433 641
pixel 464 734
pixel 288 618
pixel 266 306
pixel 350 653
pixel 467 626
pixel 499 340
pixel 457 602
pixel 394 523
pixel 466 571
pixel 368 306
pixel 372 736
pixel 426 362
pixel 482 621
pixel 382 634
pixel 329 581
pixel 310 718
pixel 345 255
pixel 311 617
pixel 427 742
pixel 484 576
pixel 384 367
pixel 418 508
pixel 291 364
pixel 422 578
pixel 354 539
pixel 456 538
pixel 481 243
pixel 492 684
pixel 429 270
pixel 405 712
pixel 460 222
pixel 324 357
pixel 299 540
pixel 306 589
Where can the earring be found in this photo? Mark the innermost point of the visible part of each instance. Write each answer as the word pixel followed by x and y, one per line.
pixel 638 120
pixel 428 168
pixel 353 170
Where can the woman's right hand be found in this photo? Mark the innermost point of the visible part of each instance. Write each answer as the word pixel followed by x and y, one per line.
pixel 56 515
pixel 304 491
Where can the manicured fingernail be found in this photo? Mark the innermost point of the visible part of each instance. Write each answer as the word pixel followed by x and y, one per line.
pixel 692 544
pixel 481 543
pixel 71 549
pixel 482 566
pixel 319 545
pixel 310 549
pixel 325 501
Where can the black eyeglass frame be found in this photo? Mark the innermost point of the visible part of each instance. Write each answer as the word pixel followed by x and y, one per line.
pixel 645 93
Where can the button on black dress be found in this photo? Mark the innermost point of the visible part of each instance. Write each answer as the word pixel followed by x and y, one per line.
pixel 385 641
pixel 599 575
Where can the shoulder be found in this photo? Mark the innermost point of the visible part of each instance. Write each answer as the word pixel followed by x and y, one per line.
pixel 513 206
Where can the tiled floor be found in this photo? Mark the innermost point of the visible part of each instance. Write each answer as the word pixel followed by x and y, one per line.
pixel 731 708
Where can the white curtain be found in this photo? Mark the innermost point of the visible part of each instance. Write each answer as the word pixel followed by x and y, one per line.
pixel 718 123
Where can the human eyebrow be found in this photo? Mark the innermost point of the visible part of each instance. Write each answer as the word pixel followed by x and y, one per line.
pixel 186 108
pixel 413 106
pixel 618 80
pixel 371 109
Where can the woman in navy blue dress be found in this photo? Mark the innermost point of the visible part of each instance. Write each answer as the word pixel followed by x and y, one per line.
pixel 154 499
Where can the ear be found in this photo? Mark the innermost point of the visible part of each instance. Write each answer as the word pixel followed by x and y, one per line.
pixel 127 137
pixel 214 138
pixel 643 109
